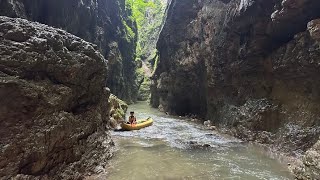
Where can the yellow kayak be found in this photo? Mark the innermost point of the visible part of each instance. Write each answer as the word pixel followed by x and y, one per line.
pixel 140 124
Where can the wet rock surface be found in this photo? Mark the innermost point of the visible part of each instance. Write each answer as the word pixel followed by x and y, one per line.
pixel 105 23
pixel 54 107
pixel 249 66
pixel 309 168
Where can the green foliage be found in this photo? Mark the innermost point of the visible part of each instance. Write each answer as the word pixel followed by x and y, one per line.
pixel 142 12
pixel 144 91
pixel 139 8
pixel 155 65
pixel 140 74
pixel 118 108
pixel 129 31
pixel 148 15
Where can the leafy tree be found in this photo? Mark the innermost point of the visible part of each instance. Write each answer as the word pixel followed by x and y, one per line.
pixel 148 15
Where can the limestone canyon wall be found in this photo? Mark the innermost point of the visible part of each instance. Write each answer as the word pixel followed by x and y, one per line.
pixel 252 66
pixel 105 23
pixel 54 104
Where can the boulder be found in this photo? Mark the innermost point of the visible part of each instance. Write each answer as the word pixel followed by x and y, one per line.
pixel 54 109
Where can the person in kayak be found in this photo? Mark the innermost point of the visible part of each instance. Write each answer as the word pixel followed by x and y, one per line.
pixel 132 118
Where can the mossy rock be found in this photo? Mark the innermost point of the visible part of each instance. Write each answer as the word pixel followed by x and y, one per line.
pixel 140 76
pixel 138 62
pixel 144 90
pixel 118 108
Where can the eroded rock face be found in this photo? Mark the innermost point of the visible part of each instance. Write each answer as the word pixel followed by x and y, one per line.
pixel 54 110
pixel 105 23
pixel 309 168
pixel 178 87
pixel 249 65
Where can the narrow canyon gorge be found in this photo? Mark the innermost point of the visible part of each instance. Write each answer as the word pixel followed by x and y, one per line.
pixel 68 69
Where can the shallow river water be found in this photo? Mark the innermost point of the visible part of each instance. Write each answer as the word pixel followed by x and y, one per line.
pixel 163 151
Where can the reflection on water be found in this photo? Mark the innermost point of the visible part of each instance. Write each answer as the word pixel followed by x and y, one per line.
pixel 163 151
